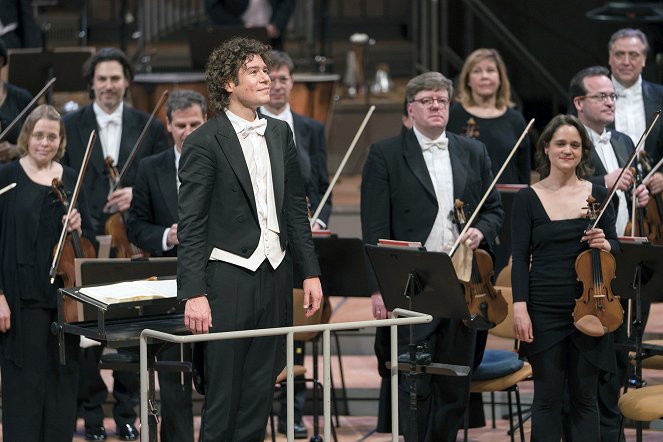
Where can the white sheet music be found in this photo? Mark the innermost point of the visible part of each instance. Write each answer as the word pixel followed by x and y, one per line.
pixel 132 291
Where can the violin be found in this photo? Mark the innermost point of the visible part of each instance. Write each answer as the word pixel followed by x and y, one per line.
pixel 472 129
pixel 650 218
pixel 481 297
pixel 115 225
pixel 74 247
pixel 598 310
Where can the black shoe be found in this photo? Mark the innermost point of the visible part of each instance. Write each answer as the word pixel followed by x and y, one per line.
pixel 300 430
pixel 127 432
pixel 96 432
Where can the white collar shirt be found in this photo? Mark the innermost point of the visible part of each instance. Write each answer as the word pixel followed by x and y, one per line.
pixel 606 153
pixel 443 232
pixel 285 115
pixel 630 110
pixel 110 130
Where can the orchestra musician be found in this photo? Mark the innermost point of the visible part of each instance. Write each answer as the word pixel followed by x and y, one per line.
pixel 309 137
pixel 592 93
pixel 548 231
pixel 152 226
pixel 108 74
pixel 38 393
pixel 242 208
pixel 13 100
pixel 409 184
pixel 483 110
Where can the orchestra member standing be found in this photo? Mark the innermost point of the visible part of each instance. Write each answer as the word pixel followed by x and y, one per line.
pixel 409 185
pixel 38 393
pixel 548 231
pixel 242 208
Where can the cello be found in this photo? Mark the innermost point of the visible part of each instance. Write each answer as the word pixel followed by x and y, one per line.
pixel 115 225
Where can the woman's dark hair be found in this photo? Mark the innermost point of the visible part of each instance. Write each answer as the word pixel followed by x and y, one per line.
pixel 584 168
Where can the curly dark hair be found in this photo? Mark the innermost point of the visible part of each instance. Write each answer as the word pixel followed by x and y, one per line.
pixel 225 64
pixel 584 168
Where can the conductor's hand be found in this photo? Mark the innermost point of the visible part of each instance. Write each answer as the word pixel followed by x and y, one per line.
pixel 312 295
pixel 472 238
pixel 197 315
pixel 120 198
pixel 74 221
pixel 379 310
pixel 522 324
pixel 5 315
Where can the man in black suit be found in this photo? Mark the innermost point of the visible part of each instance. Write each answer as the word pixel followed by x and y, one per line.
pixel 409 185
pixel 108 74
pixel 593 96
pixel 309 136
pixel 241 208
pixel 639 98
pixel 273 15
pixel 18 28
pixel 152 226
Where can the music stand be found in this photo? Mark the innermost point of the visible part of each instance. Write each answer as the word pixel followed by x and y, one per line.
pixel 417 280
pixel 203 40
pixel 32 68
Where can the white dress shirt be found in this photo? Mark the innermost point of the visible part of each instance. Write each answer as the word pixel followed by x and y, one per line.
pixel 110 130
pixel 630 110
pixel 444 232
pixel 256 155
pixel 285 115
pixel 606 153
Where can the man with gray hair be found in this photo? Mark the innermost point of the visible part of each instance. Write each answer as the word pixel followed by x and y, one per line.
pixel 409 185
pixel 639 99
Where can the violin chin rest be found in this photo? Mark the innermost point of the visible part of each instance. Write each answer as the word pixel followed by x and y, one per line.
pixel 591 325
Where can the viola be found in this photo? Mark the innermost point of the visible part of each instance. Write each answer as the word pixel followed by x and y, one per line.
pixel 481 296
pixel 74 247
pixel 598 310
pixel 472 129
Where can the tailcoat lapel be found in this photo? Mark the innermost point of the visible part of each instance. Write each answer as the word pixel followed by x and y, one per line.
pixel 168 182
pixel 276 156
pixel 88 124
pixel 415 161
pixel 459 165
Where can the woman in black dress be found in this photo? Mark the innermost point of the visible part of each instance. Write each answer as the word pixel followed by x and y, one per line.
pixel 548 231
pixel 483 110
pixel 38 394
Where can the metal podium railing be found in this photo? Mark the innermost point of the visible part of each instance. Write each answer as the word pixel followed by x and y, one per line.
pixel 399 317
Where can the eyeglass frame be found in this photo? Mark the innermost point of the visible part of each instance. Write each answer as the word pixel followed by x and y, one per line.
pixel 442 102
pixel 603 97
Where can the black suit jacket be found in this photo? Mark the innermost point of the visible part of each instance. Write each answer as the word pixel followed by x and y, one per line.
pixel 312 155
pixel 623 147
pixel 397 194
pixel 217 207
pixel 78 126
pixel 229 12
pixel 27 34
pixel 154 203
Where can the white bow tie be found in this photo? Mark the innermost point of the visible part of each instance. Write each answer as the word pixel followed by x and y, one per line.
pixel 441 143
pixel 105 120
pixel 604 138
pixel 257 126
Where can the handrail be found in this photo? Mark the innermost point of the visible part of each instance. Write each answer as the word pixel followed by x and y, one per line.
pixel 408 317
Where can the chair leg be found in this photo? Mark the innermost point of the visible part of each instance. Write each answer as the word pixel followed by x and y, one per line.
pixel 492 408
pixel 340 367
pixel 508 394
pixel 333 396
pixel 521 423
pixel 271 424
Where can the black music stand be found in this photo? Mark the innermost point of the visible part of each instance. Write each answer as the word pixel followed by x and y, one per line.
pixel 31 69
pixel 639 274
pixel 426 282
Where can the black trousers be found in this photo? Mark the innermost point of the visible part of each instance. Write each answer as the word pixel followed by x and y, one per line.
pixel 39 397
pixel 175 392
pixel 93 392
pixel 240 374
pixel 556 370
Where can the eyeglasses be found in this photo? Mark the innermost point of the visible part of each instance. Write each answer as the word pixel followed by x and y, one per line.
pixel 427 102
pixel 51 138
pixel 601 97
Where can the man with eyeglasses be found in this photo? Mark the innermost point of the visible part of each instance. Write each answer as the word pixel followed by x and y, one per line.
pixel 409 185
pixel 593 96
pixel 639 99
pixel 309 137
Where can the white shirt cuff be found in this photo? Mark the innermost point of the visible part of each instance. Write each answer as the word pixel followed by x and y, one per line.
pixel 164 241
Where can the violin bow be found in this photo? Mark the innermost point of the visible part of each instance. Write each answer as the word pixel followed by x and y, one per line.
pixel 475 213
pixel 654 169
pixel 139 141
pixel 316 214
pixel 635 153
pixel 7 188
pixel 26 108
pixel 72 204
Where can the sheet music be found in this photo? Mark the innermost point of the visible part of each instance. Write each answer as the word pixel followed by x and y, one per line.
pixel 130 291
